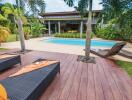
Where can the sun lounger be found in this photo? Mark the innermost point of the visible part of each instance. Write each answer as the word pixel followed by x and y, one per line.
pixel 29 86
pixel 8 62
pixel 109 52
pixel 126 54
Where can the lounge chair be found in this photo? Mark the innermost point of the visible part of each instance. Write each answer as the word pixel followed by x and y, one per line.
pixel 31 85
pixel 8 62
pixel 126 54
pixel 109 52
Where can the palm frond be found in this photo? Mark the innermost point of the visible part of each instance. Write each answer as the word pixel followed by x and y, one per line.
pixel 70 2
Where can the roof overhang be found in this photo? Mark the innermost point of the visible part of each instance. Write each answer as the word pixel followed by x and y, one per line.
pixel 70 13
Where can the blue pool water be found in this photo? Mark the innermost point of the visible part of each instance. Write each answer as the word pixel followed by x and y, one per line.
pixel 80 42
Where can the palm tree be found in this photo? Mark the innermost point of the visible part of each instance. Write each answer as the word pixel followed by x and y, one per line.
pixel 83 5
pixel 33 4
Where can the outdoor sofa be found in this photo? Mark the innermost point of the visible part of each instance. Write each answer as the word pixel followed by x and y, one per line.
pixel 8 62
pixel 30 86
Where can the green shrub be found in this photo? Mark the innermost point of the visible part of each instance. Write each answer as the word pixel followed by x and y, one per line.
pixel 109 32
pixel 4 21
pixel 125 23
pixel 27 32
pixel 37 29
pixel 72 35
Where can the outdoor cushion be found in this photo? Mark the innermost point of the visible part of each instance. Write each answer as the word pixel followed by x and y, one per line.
pixel 3 94
pixel 33 67
pixel 6 56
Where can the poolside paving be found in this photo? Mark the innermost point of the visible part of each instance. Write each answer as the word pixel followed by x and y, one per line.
pixel 81 81
pixel 39 45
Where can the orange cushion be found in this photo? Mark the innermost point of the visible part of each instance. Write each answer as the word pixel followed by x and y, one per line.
pixel 3 94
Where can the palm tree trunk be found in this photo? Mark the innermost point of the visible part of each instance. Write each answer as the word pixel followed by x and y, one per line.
pixel 21 34
pixel 20 27
pixel 88 31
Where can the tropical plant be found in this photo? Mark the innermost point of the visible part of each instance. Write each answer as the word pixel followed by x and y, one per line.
pixel 27 31
pixel 125 24
pixel 36 6
pixel 4 33
pixel 3 21
pixel 114 8
pixel 110 32
pixel 37 28
pixel 121 12
pixel 8 9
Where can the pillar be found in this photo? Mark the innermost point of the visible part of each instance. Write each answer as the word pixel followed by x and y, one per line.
pixel 59 27
pixel 81 29
pixel 49 27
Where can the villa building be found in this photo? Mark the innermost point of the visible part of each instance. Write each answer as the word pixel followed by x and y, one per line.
pixel 60 22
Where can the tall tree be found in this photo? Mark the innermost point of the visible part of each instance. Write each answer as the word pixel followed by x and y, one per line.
pixel 114 8
pixel 83 5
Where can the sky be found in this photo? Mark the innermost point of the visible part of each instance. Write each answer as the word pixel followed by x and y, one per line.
pixel 60 5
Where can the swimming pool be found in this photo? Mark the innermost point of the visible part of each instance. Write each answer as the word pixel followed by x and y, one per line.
pixel 80 42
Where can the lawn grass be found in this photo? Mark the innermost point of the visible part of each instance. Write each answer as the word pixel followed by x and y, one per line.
pixel 126 66
pixel 11 38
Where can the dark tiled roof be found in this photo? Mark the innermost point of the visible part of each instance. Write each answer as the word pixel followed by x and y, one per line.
pixel 63 13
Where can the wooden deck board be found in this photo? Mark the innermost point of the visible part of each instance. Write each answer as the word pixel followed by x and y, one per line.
pixel 82 92
pixel 81 81
pixel 111 81
pixel 76 83
pixel 98 86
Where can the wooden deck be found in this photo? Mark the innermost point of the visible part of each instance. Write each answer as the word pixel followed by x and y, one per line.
pixel 81 81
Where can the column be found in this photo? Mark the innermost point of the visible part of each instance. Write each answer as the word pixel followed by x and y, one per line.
pixel 59 27
pixel 102 22
pixel 81 29
pixel 49 27
pixel 55 28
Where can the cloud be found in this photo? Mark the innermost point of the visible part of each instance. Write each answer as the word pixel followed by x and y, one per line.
pixel 9 1
pixel 60 5
pixel 96 5
pixel 56 6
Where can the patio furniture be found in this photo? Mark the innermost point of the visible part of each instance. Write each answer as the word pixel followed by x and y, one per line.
pixel 125 53
pixel 8 62
pixel 109 52
pixel 29 86
pixel 10 51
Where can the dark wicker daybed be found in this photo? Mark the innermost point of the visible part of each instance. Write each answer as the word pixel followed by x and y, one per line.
pixel 10 51
pixel 30 86
pixel 6 63
pixel 109 52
